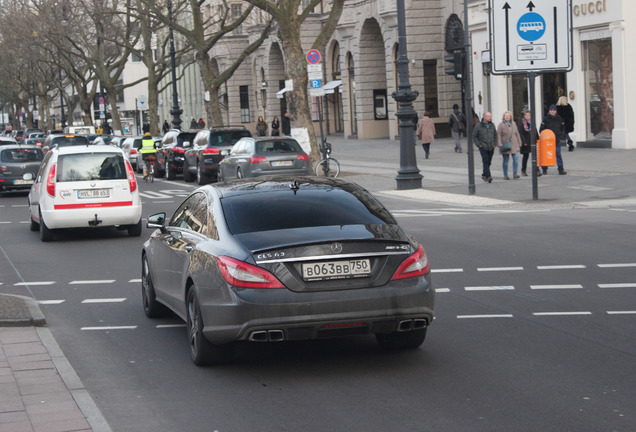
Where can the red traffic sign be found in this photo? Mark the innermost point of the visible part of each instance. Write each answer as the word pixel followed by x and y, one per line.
pixel 101 100
pixel 313 56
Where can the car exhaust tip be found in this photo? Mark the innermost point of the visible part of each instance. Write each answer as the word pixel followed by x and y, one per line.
pixel 258 336
pixel 276 335
pixel 419 324
pixel 267 336
pixel 412 324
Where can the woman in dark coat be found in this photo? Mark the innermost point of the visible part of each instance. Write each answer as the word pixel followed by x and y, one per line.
pixel 564 109
pixel 525 128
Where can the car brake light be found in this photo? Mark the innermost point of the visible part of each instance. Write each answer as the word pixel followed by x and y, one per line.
pixel 132 181
pixel 133 151
pixel 302 157
pixel 69 136
pixel 211 150
pixel 414 266
pixel 50 184
pixel 241 274
pixel 178 149
pixel 257 159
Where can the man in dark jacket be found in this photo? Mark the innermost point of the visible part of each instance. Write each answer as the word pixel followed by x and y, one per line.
pixel 286 124
pixel 457 123
pixel 485 138
pixel 555 123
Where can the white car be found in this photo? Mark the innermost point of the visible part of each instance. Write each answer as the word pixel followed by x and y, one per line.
pixel 84 186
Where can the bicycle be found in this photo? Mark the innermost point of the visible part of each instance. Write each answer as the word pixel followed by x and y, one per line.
pixel 328 166
pixel 150 167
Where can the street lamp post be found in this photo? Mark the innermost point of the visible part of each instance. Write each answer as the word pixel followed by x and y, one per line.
pixel 63 119
pixel 175 111
pixel 409 176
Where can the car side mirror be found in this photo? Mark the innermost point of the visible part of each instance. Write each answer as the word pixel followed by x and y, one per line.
pixel 157 220
pixel 28 177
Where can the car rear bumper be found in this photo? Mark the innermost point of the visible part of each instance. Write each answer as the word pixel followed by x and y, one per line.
pixel 74 217
pixel 256 314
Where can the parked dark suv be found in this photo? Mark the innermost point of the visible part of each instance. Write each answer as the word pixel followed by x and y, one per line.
pixel 210 147
pixel 173 148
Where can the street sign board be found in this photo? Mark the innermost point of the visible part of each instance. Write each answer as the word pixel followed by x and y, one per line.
pixel 313 56
pixel 316 92
pixel 530 36
pixel 314 71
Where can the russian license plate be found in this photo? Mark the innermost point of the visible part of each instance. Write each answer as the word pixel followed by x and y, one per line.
pixel 282 163
pixel 93 193
pixel 22 182
pixel 336 269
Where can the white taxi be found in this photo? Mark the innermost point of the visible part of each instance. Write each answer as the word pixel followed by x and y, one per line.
pixel 84 186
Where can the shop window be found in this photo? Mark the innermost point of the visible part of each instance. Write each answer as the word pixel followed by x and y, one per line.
pixel 380 105
pixel 430 87
pixel 245 104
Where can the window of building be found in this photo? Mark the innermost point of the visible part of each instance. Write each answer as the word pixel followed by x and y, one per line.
pixel 245 104
pixel 380 104
pixel 135 57
pixel 315 114
pixel 237 10
pixel 430 87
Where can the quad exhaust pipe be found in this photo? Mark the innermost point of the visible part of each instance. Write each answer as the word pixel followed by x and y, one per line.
pixel 412 324
pixel 267 336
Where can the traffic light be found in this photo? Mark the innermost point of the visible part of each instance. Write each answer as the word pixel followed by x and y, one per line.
pixel 457 69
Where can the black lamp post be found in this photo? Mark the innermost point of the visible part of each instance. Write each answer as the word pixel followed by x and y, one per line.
pixel 409 176
pixel 175 111
pixel 63 119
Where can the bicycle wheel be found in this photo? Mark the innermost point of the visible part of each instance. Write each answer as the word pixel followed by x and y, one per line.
pixel 328 167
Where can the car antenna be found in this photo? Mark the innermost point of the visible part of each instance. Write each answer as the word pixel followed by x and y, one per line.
pixel 295 186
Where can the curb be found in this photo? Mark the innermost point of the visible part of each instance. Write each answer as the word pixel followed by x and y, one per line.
pixel 34 316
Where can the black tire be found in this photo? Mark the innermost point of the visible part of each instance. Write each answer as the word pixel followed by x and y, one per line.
pixel 202 178
pixel 160 171
pixel 152 308
pixel 402 340
pixel 170 174
pixel 135 230
pixel 202 351
pixel 187 176
pixel 46 234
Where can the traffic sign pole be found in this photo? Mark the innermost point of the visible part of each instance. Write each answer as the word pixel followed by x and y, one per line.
pixel 315 75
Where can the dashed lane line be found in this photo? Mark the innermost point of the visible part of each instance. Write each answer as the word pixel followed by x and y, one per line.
pixel 104 300
pixel 633 312
pixel 50 302
pixel 618 285
pixel 561 267
pixel 617 265
pixel 40 283
pixel 109 328
pixel 496 269
pixel 91 282
pixel 549 287
pixel 160 326
pixel 485 316
pixel 562 313
pixel 489 288
pixel 449 270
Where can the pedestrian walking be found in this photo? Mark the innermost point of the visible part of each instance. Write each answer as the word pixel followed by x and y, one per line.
pixel 261 127
pixel 200 124
pixel 166 126
pixel 275 127
pixel 564 109
pixel 457 123
pixel 426 132
pixel 554 122
pixel 525 129
pixel 485 138
pixel 193 124
pixel 286 124
pixel 508 138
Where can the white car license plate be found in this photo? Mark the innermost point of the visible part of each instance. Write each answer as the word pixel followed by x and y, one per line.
pixel 93 193
pixel 282 163
pixel 336 269
pixel 22 182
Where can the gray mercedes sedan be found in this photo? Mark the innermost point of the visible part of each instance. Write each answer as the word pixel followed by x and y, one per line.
pixel 280 259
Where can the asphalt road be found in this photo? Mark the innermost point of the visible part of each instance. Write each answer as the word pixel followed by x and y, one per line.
pixel 535 330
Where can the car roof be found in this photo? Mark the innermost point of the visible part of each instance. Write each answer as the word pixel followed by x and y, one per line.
pixel 20 146
pixel 78 149
pixel 270 184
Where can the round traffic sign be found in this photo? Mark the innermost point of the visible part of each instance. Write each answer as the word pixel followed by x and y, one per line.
pixel 101 100
pixel 531 26
pixel 313 56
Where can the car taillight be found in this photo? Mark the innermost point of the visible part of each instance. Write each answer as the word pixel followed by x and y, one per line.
pixel 414 266
pixel 178 149
pixel 50 184
pixel 241 274
pixel 133 151
pixel 38 143
pixel 132 181
pixel 211 150
pixel 302 157
pixel 257 159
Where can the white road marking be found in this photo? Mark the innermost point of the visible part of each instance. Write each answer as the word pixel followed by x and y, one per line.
pixel 561 267
pixel 617 265
pixel 621 312
pixel 105 300
pixel 485 316
pixel 134 281
pixel 170 325
pixel 91 282
pixel 561 313
pixel 110 328
pixel 20 205
pixel 488 269
pixel 442 290
pixel 50 302
pixel 618 285
pixel 1 222
pixel 34 283
pixel 450 270
pixel 547 287
pixel 489 288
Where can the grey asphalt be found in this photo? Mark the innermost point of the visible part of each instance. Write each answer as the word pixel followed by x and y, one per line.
pixel 41 391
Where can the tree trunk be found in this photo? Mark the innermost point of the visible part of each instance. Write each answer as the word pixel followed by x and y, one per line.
pixel 212 109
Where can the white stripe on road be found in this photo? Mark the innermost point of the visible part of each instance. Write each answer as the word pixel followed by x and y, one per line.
pixel 451 270
pixel 134 281
pixel 104 300
pixel 489 288
pixel 487 269
pixel 547 287
pixel 34 283
pixel 89 282
pixel 561 267
pixel 617 265
pixel 442 290
pixel 485 316
pixel 19 205
pixel 618 285
pixel 2 222
pixel 170 325
pixel 51 302
pixel 621 312
pixel 561 313
pixel 110 328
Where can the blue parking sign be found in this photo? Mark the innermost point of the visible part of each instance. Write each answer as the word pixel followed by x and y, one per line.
pixel 316 84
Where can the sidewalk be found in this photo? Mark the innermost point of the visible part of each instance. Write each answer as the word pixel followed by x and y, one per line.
pixel 40 390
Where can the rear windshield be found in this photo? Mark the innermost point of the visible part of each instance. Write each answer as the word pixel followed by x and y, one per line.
pixel 228 138
pixel 21 155
pixel 289 146
pixel 278 210
pixel 91 166
pixel 69 140
pixel 185 139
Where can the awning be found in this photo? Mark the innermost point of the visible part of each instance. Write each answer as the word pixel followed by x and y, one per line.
pixel 281 94
pixel 331 85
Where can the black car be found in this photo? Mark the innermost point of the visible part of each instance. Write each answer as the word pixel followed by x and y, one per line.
pixel 210 147
pixel 286 258
pixel 173 147
pixel 15 161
